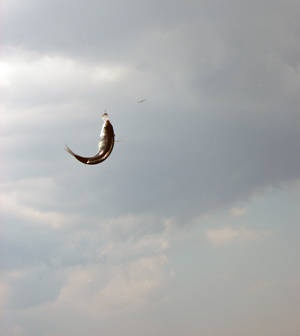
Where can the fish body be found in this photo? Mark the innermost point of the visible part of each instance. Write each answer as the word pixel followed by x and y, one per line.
pixel 105 147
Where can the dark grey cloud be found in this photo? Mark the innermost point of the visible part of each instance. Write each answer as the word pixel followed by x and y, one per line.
pixel 222 116
pixel 100 29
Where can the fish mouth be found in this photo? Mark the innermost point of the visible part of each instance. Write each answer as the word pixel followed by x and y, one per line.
pixel 105 116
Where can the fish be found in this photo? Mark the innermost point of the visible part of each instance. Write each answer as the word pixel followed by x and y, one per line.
pixel 105 146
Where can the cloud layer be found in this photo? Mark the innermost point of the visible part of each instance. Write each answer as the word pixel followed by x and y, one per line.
pixel 220 125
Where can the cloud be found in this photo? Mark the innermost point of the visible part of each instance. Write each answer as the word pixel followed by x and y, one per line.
pixel 91 292
pixel 106 30
pixel 133 285
pixel 38 253
pixel 31 79
pixel 237 212
pixel 220 124
pixel 4 291
pixel 129 286
pixel 32 287
pixel 227 235
pixel 224 101
pixel 34 215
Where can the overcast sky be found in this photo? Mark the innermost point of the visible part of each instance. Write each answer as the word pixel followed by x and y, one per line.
pixel 191 226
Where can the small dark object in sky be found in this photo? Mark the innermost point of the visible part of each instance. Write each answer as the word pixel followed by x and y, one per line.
pixel 105 147
pixel 141 100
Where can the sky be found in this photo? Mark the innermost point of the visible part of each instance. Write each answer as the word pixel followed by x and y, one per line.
pixel 191 226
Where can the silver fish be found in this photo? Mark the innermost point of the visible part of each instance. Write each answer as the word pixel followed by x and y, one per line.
pixel 105 147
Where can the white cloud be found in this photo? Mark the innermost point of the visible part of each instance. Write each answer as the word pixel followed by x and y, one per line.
pixel 128 236
pixel 133 284
pixel 21 68
pixel 237 212
pixel 106 261
pixel 228 234
pixel 4 290
pixel 40 88
pixel 129 286
pixel 54 219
